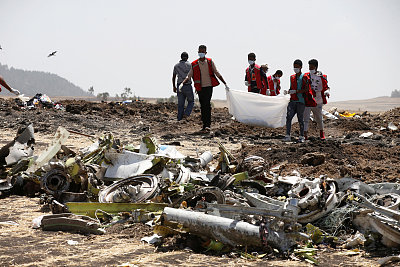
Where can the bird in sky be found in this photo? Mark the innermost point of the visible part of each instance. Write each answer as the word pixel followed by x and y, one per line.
pixel 52 54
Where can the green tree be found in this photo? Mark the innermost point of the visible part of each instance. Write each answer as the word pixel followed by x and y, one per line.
pixel 103 96
pixel 395 93
pixel 127 93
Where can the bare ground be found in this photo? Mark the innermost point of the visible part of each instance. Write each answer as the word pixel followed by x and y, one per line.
pixel 372 160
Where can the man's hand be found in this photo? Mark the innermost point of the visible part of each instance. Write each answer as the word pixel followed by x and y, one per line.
pixel 292 91
pixel 285 92
pixel 246 83
pixel 268 92
pixel 15 91
pixel 174 89
pixel 327 94
pixel 227 87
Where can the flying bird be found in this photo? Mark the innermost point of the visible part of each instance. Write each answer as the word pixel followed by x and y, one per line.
pixel 52 54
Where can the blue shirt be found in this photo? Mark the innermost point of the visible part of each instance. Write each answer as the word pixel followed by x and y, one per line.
pixel 299 85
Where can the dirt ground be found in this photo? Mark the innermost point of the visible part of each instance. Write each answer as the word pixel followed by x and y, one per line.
pixel 371 160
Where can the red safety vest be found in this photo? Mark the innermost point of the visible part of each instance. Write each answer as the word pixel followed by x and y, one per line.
pixel 272 87
pixel 324 80
pixel 197 74
pixel 306 83
pixel 256 76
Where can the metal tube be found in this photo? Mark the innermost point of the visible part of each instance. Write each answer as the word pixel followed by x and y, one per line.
pixel 226 230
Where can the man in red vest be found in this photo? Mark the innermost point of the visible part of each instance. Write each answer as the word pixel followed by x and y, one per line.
pixel 255 79
pixel 204 74
pixel 4 84
pixel 300 97
pixel 321 90
pixel 274 83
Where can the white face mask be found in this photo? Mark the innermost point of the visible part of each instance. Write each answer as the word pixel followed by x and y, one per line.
pixel 201 55
pixel 313 71
pixel 251 62
pixel 296 70
pixel 277 78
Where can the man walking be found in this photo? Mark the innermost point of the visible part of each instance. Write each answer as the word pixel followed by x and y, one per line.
pixel 300 97
pixel 204 75
pixel 255 79
pixel 275 83
pixel 321 90
pixel 181 70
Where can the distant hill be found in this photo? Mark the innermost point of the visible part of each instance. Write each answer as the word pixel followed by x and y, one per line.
pixel 33 82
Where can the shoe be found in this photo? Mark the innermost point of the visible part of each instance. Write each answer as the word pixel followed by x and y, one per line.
pixel 205 130
pixel 322 135
pixel 287 138
pixel 301 139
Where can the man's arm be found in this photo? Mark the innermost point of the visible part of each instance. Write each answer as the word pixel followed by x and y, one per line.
pixel 189 76
pixel 217 73
pixel 3 83
pixel 173 82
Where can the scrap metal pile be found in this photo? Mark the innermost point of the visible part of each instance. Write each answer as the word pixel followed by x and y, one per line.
pixel 235 202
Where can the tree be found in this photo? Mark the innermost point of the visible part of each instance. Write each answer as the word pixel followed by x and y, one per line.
pixel 395 93
pixel 103 96
pixel 91 90
pixel 116 96
pixel 127 93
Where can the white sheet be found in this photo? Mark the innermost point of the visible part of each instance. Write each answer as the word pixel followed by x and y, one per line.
pixel 257 109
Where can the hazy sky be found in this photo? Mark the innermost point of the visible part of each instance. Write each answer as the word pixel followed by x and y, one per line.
pixel 111 45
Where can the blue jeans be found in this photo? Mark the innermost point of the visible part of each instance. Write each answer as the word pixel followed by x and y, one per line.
pixel 185 94
pixel 294 108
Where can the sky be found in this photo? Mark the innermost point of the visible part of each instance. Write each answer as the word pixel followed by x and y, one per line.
pixel 111 45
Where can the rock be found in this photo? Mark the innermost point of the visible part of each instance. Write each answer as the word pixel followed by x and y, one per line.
pixel 313 159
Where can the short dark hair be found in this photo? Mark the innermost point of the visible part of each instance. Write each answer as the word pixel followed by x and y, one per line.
pixel 313 62
pixel 184 55
pixel 298 62
pixel 251 55
pixel 202 47
pixel 278 72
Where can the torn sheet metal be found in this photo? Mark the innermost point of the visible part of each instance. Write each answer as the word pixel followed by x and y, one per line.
pixel 225 230
pixel 21 147
pixel 138 188
pixel 68 222
pixel 127 164
pixel 60 138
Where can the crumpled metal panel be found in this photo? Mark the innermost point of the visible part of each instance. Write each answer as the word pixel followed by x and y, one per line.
pixel 20 147
pixel 132 189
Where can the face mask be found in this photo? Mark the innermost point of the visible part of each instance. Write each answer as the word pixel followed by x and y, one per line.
pixel 277 78
pixel 201 55
pixel 251 62
pixel 296 70
pixel 313 71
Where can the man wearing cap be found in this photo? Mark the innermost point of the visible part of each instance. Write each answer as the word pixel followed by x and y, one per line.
pixel 255 79
pixel 181 70
pixel 204 74
pixel 4 84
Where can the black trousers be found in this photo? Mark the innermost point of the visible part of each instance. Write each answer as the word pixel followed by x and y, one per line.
pixel 205 105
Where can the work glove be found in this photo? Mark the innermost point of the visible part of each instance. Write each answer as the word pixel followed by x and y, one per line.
pixel 246 83
pixel 285 92
pixel 226 87
pixel 180 87
pixel 327 94
pixel 292 91
pixel 268 92
pixel 15 91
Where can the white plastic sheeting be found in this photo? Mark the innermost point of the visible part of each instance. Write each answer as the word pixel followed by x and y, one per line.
pixel 257 109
